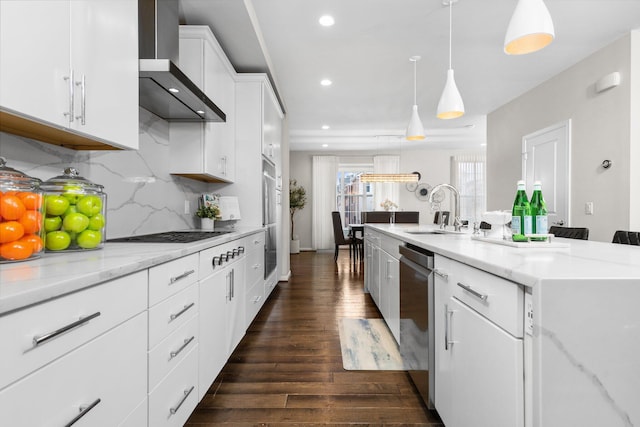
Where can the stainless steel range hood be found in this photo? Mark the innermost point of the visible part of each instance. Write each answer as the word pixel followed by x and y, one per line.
pixel 164 89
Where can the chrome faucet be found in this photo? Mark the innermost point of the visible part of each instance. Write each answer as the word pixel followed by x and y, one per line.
pixel 457 224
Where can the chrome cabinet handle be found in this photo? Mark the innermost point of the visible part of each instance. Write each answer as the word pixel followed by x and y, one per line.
pixel 224 165
pixel 388 269
pixel 228 284
pixel 448 314
pixel 180 277
pixel 41 339
pixel 177 407
pixel 233 283
pixel 181 312
pixel 481 296
pixel 83 100
pixel 182 347
pixel 70 81
pixel 84 410
pixel 439 273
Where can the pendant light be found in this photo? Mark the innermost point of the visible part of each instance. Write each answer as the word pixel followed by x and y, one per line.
pixel 415 130
pixel 450 105
pixel 530 28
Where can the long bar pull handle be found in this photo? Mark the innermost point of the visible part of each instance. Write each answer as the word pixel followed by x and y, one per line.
pixel 228 284
pixel 180 277
pixel 41 339
pixel 83 100
pixel 439 273
pixel 84 410
pixel 182 347
pixel 388 269
pixel 481 296
pixel 448 314
pixel 181 312
pixel 177 407
pixel 71 82
pixel 233 284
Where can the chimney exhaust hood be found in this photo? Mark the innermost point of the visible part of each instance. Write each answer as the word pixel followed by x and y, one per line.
pixel 164 89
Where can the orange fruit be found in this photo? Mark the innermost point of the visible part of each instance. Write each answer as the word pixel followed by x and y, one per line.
pixel 31 200
pixel 10 231
pixel 16 250
pixel 11 207
pixel 31 221
pixel 34 240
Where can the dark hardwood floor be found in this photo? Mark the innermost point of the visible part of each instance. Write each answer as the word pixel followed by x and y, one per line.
pixel 288 369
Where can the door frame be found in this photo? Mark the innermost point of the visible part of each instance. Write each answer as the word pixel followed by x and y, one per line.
pixel 565 127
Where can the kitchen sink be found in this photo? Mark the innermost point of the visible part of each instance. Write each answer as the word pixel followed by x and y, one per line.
pixel 437 231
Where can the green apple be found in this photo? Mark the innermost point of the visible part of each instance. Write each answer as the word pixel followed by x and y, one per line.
pixel 76 222
pixel 72 198
pixel 71 209
pixel 97 222
pixel 52 223
pixel 57 240
pixel 89 205
pixel 89 239
pixel 56 205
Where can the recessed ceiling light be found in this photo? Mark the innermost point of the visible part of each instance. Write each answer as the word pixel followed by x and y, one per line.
pixel 326 20
pixel 325 127
pixel 200 112
pixel 325 145
pixel 173 90
pixel 326 82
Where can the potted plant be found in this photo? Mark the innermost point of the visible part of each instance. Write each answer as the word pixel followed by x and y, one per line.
pixel 207 215
pixel 297 201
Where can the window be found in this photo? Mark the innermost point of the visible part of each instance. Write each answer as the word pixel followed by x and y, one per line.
pixel 468 175
pixel 353 196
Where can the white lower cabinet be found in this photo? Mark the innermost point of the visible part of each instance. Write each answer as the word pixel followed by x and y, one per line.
pixel 102 382
pixel 171 403
pixel 479 364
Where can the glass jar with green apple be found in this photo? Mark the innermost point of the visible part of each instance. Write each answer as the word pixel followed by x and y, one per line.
pixel 75 213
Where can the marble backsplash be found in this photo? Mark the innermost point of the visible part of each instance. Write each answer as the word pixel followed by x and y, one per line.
pixel 142 197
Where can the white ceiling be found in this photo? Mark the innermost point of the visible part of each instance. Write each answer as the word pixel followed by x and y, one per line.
pixel 366 55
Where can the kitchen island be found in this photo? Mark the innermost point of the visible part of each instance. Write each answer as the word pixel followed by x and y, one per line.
pixel 568 315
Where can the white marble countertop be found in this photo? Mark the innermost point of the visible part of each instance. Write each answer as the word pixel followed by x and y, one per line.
pixel 55 274
pixel 582 259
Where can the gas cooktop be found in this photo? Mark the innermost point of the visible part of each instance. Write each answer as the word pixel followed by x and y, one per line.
pixel 171 237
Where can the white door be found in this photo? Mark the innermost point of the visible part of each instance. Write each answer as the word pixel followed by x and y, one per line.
pixel 546 157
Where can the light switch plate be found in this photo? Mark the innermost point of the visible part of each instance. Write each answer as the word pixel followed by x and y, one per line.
pixel 588 208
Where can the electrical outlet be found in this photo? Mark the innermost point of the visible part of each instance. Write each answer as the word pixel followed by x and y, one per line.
pixel 528 312
pixel 588 208
pixel 187 207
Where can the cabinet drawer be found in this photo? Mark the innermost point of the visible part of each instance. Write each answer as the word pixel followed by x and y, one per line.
pixel 255 300
pixel 106 305
pixel 172 402
pixel 172 350
pixel 111 368
pixel 498 299
pixel 171 277
pixel 390 246
pixel 171 314
pixel 255 257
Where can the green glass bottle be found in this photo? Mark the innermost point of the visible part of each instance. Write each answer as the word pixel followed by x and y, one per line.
pixel 521 223
pixel 538 211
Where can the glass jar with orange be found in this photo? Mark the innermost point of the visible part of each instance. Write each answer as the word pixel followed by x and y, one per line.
pixel 21 215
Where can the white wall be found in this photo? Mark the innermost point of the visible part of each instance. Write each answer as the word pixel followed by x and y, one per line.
pixel 433 165
pixel 601 129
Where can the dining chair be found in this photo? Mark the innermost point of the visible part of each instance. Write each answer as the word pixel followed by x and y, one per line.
pixel 339 237
pixel 444 215
pixel 406 217
pixel 579 233
pixel 626 237
pixel 379 217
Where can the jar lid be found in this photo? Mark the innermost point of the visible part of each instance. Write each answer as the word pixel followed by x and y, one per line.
pixel 71 182
pixel 10 176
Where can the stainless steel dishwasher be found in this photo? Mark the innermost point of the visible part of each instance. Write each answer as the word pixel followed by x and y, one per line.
pixel 416 319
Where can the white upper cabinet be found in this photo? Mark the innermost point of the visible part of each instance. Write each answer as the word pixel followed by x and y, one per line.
pixel 77 73
pixel 205 151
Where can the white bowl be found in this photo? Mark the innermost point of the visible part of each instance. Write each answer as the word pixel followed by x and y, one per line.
pixel 497 217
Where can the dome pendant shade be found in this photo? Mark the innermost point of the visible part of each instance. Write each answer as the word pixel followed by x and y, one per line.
pixel 415 130
pixel 530 28
pixel 450 105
